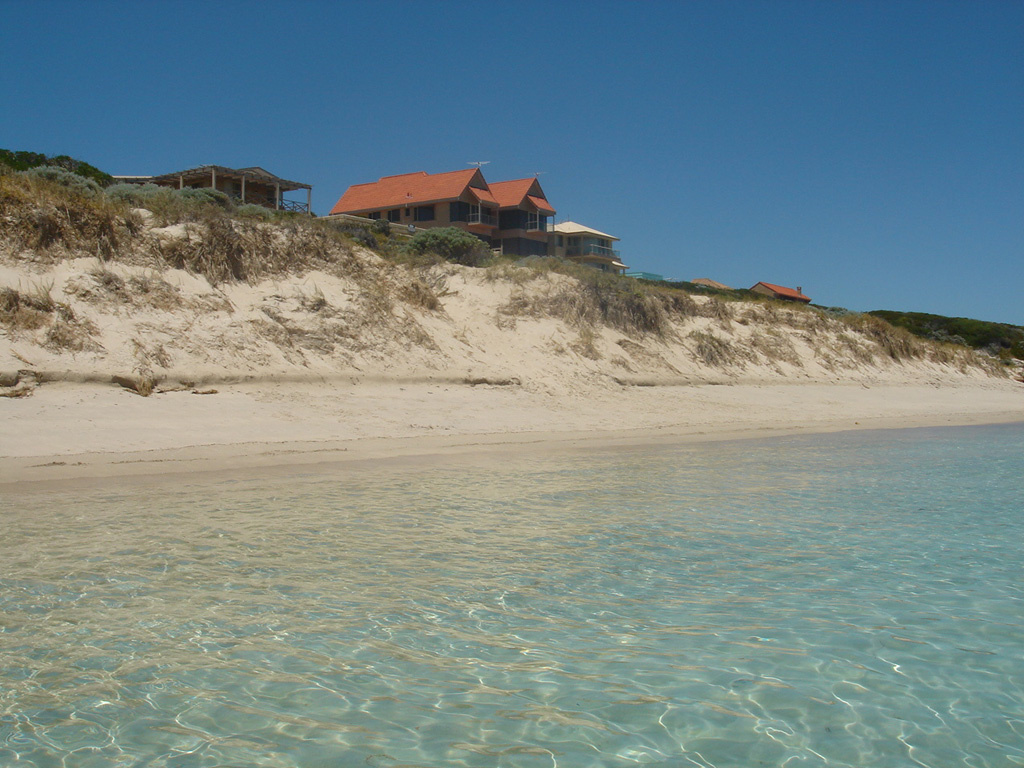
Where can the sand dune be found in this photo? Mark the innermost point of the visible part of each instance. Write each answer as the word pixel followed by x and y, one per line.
pixel 380 360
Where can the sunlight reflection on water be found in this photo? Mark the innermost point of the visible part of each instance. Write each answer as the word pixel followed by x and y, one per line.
pixel 848 600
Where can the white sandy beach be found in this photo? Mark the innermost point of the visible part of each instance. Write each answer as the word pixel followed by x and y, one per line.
pixel 74 431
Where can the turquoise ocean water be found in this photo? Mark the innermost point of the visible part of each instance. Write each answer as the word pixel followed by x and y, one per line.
pixel 843 600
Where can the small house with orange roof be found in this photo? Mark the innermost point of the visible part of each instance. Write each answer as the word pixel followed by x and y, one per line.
pixel 781 292
pixel 510 216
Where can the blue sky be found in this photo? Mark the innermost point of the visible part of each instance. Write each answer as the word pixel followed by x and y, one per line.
pixel 870 152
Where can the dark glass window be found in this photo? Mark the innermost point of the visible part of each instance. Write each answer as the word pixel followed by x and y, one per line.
pixel 395 215
pixel 375 215
pixel 458 211
pixel 512 220
pixel 522 246
pixel 424 213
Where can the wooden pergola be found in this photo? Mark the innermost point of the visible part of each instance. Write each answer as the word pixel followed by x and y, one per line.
pixel 254 185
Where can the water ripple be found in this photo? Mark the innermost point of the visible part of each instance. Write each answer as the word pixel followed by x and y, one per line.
pixel 848 600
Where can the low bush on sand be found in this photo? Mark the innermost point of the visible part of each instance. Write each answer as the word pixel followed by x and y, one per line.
pixel 451 244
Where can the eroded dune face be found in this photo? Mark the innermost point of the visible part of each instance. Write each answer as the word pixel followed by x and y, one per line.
pixel 300 333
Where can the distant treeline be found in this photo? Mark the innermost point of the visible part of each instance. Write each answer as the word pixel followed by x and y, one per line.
pixel 22 161
pixel 997 338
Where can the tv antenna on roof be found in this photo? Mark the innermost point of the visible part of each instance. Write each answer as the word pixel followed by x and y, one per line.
pixel 539 173
pixel 478 163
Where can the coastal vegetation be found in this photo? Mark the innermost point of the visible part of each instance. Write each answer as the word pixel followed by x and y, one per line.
pixel 24 161
pixel 1000 339
pixel 156 280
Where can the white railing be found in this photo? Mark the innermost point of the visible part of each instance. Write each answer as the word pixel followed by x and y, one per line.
pixel 592 250
pixel 482 218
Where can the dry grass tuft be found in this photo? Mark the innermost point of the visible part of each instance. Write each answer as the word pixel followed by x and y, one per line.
pixel 714 351
pixel 591 298
pixel 26 311
pixel 153 291
pixel 417 293
pixel 40 216
pixel 224 249
pixel 716 309
pixel 858 350
pixel 774 347
pixel 34 310
pixel 315 301
pixel 896 343
pixel 586 343
pixel 104 286
pixel 504 270
pixel 148 354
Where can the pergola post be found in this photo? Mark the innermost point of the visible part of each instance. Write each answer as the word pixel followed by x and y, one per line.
pixel 181 182
pixel 243 189
pixel 309 199
pixel 213 178
pixel 277 196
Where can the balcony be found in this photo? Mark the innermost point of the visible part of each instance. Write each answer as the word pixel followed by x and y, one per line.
pixel 592 250
pixel 482 218
pixel 269 202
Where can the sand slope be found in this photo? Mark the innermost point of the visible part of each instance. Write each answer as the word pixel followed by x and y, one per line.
pixel 334 360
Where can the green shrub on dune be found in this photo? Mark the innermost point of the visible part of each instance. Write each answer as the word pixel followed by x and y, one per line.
pixel 451 244
pixel 1001 339
pixel 23 161
pixel 72 181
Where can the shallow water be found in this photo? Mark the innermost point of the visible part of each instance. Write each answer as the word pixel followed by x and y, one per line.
pixel 842 600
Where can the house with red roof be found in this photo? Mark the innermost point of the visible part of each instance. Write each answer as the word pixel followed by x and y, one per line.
pixel 781 292
pixel 511 216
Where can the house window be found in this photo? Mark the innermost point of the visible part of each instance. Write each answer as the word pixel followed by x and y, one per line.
pixel 424 213
pixel 458 211
pixel 395 215
pixel 561 241
pixel 375 215
pixel 522 246
pixel 513 219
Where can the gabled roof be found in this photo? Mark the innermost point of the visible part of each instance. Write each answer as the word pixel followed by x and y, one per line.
pixel 412 189
pixel 518 192
pixel 483 195
pixel 573 228
pixel 783 291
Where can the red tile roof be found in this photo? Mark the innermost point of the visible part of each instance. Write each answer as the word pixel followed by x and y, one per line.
pixel 783 291
pixel 409 189
pixel 542 205
pixel 483 195
pixel 512 194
